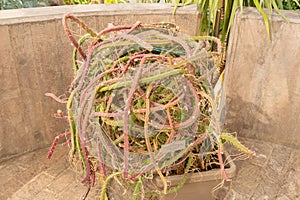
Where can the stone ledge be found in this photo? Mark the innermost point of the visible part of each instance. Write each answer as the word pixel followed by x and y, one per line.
pixel 50 13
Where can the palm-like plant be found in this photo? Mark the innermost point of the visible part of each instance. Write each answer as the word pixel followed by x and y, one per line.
pixel 217 15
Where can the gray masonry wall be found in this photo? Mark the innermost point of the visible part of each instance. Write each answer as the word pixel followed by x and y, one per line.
pixel 35 58
pixel 262 80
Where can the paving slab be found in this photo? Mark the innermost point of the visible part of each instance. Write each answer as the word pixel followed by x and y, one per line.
pixel 34 186
pixel 9 187
pixel 273 174
pixel 33 177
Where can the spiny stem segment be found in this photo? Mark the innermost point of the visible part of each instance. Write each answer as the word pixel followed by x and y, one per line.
pixel 227 137
pixel 55 141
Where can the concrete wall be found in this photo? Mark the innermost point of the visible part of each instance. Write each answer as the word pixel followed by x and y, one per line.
pixel 262 80
pixel 35 58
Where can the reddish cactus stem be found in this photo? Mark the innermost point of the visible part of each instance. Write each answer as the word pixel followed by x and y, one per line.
pixel 88 167
pixel 83 123
pixel 146 123
pixel 196 112
pixel 139 41
pixel 87 64
pixel 140 56
pixel 51 150
pixel 145 170
pixel 114 28
pixel 134 26
pixel 173 132
pixel 126 145
pixel 84 72
pixel 97 78
pixel 205 43
pixel 53 96
pixel 139 52
pixel 82 127
pixel 61 117
pixel 81 24
pixel 90 185
pixel 105 114
pixel 66 142
pixel 128 63
pixel 190 120
pixel 126 117
pixel 102 166
pixel 222 164
pixel 92 180
pixel 216 40
pixel 86 192
pixel 109 102
pixel 70 36
pixel 102 99
pixel 193 117
pixel 176 164
pixel 159 106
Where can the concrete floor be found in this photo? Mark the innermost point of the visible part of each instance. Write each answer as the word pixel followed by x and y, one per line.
pixel 33 177
pixel 273 174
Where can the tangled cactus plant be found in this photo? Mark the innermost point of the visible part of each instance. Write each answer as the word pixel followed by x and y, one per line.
pixel 142 105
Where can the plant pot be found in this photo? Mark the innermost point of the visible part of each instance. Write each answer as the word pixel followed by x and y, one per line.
pixel 199 185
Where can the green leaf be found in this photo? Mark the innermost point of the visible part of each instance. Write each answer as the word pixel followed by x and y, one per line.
pixel 204 23
pixel 279 4
pixel 227 14
pixel 175 6
pixel 265 17
pixel 278 11
pixel 231 17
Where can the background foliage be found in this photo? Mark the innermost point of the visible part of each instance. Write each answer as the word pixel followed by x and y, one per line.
pixel 15 4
